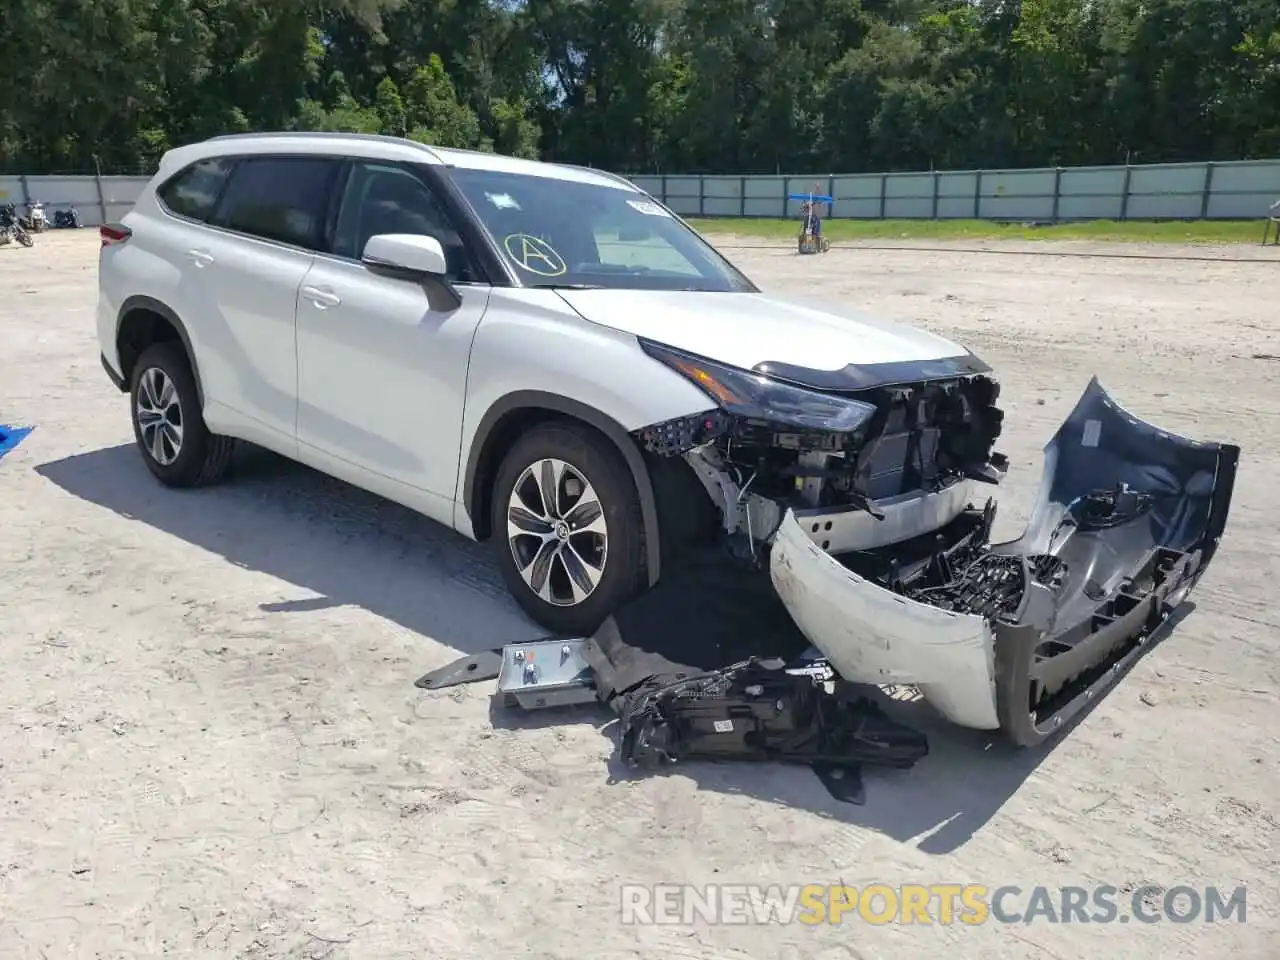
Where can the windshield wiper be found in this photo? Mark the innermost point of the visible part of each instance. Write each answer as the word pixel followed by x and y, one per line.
pixel 572 286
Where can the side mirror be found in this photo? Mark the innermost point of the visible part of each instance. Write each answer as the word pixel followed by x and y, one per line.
pixel 408 253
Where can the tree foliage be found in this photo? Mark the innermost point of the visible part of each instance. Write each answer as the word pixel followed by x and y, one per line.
pixel 717 86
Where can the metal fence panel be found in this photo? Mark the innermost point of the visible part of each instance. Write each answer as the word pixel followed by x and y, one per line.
pixel 97 199
pixel 1173 191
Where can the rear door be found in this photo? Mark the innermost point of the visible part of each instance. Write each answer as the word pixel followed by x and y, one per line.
pixel 268 224
pixel 382 364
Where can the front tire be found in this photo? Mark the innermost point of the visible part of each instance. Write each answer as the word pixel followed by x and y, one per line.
pixel 566 519
pixel 168 424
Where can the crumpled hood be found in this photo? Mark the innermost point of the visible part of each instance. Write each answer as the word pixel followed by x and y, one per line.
pixel 746 329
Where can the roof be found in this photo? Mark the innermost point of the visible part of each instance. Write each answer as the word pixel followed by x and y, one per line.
pixel 392 148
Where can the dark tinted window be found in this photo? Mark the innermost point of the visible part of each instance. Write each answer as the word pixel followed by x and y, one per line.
pixel 193 192
pixel 279 198
pixel 384 198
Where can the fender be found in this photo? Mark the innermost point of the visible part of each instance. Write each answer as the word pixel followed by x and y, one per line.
pixel 151 305
pixel 537 399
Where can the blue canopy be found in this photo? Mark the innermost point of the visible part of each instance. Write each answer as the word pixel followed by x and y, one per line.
pixel 821 198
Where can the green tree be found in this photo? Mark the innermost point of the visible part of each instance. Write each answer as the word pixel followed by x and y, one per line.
pixel 433 113
pixel 718 86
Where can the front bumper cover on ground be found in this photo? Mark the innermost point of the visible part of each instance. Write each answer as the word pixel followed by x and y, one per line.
pixel 1127 519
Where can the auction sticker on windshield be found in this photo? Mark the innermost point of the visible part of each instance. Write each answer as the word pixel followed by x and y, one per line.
pixel 503 201
pixel 647 208
pixel 535 255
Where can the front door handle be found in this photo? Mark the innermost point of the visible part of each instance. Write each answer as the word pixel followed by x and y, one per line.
pixel 321 297
pixel 201 258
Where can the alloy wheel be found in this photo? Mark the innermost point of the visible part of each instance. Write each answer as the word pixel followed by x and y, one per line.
pixel 557 532
pixel 159 415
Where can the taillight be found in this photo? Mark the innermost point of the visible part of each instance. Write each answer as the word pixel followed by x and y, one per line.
pixel 113 233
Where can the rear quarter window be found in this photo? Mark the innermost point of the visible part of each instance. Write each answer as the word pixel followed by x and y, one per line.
pixel 194 192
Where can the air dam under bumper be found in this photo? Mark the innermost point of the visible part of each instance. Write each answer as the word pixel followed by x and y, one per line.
pixel 1127 519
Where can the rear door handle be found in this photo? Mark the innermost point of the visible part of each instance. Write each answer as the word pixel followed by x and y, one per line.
pixel 201 258
pixel 321 296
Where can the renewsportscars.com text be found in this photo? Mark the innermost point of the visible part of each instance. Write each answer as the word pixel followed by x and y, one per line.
pixel 937 903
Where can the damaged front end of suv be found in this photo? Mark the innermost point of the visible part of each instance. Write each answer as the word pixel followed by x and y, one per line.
pixel 856 488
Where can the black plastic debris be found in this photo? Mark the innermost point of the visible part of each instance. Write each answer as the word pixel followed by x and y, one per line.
pixel 758 710
pixel 710 665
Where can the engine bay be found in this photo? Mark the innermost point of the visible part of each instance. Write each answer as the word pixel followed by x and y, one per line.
pixel 921 437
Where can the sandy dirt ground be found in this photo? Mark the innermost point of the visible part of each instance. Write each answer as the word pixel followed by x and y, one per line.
pixel 210 741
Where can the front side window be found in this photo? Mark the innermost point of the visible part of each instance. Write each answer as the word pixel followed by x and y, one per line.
pixel 568 233
pixel 279 198
pixel 385 198
pixel 194 192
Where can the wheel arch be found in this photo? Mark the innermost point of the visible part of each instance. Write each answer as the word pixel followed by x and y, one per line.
pixel 143 321
pixel 516 412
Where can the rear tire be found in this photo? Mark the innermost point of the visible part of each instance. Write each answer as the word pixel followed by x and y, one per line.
pixel 168 424
pixel 572 557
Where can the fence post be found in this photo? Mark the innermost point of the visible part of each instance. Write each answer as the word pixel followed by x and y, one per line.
pixel 977 195
pixel 1057 191
pixel 663 187
pixel 933 213
pixel 831 192
pixel 102 200
pixel 702 194
pixel 26 192
pixel 742 196
pixel 1207 192
pixel 884 189
pixel 1124 192
pixel 786 198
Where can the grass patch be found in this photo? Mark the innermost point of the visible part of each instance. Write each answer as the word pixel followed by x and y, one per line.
pixel 1135 231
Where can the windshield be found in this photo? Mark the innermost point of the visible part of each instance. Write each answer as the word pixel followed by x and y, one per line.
pixel 564 233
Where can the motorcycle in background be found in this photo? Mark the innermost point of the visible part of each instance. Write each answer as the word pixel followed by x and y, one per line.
pixel 36 221
pixel 67 219
pixel 11 227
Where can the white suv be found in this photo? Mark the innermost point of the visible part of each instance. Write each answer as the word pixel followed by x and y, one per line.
pixel 486 340
pixel 546 356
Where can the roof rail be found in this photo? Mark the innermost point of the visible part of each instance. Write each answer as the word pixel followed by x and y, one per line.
pixel 314 134
pixel 549 163
pixel 600 173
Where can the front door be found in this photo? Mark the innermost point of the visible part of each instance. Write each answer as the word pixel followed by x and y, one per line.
pixel 381 371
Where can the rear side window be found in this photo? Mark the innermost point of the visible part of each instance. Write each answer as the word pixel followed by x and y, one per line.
pixel 194 191
pixel 279 198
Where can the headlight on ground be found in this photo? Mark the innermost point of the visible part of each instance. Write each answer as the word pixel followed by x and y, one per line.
pixel 748 394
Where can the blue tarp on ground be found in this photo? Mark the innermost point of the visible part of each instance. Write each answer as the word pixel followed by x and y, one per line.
pixel 10 437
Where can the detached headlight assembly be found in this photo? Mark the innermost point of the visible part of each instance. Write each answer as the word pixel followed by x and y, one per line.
pixel 748 394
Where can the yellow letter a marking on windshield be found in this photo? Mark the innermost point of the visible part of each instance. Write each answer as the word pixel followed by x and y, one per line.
pixel 535 255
